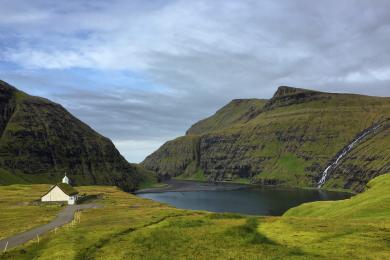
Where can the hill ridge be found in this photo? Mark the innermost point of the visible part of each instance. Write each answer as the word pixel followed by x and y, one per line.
pixel 287 90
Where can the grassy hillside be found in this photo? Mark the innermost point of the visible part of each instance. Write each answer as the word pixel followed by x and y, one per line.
pixel 373 204
pixel 129 227
pixel 289 141
pixel 237 111
pixel 19 213
pixel 355 228
pixel 40 140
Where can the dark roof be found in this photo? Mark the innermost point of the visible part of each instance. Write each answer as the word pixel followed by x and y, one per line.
pixel 67 189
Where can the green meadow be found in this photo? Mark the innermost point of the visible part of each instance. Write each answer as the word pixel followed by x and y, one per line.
pixel 18 212
pixel 129 227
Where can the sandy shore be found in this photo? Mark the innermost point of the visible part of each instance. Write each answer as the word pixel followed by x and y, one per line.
pixel 183 185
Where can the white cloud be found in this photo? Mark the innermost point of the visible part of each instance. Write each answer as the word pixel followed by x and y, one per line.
pixel 136 151
pixel 199 54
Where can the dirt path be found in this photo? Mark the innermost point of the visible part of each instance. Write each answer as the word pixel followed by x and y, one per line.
pixel 184 185
pixel 64 217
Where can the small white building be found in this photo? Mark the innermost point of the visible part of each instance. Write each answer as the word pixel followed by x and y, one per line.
pixel 61 192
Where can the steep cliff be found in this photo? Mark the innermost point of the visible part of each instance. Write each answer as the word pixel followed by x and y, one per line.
pixel 40 141
pixel 289 140
pixel 180 156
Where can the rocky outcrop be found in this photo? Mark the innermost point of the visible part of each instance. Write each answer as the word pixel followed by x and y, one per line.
pixel 41 140
pixel 290 140
pixel 286 96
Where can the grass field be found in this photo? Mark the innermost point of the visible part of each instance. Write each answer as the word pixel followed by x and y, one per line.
pixel 17 213
pixel 129 227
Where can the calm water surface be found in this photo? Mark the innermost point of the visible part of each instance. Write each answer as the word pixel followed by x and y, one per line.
pixel 259 201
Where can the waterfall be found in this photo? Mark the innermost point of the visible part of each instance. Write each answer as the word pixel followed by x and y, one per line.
pixel 346 150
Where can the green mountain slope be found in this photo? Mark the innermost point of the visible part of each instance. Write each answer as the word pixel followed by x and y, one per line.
pixel 374 203
pixel 237 111
pixel 289 140
pixel 40 140
pixel 356 228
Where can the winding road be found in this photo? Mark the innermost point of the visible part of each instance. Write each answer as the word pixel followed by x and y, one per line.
pixel 64 217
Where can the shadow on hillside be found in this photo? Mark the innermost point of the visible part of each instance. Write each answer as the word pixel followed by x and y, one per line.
pixel 249 233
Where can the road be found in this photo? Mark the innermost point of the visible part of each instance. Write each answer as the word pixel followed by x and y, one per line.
pixel 64 217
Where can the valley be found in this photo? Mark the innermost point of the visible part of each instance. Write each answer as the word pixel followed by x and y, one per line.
pixel 250 162
pixel 127 226
pixel 199 130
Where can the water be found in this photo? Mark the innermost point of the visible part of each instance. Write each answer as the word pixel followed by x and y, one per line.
pixel 346 150
pixel 261 201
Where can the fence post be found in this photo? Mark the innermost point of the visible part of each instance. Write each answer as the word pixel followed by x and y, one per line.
pixel 5 248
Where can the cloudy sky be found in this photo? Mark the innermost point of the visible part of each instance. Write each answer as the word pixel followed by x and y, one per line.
pixel 141 72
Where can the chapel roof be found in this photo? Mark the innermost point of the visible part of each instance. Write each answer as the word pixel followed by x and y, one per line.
pixel 67 189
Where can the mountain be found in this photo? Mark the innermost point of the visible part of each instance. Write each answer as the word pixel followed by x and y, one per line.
pixel 289 139
pixel 238 110
pixel 40 140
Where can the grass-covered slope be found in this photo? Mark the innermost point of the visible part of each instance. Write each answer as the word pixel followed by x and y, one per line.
pixel 374 203
pixel 129 227
pixel 19 213
pixel 290 140
pixel 40 140
pixel 238 110
pixel 355 228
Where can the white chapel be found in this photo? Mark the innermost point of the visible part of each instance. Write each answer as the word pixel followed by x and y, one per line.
pixel 61 192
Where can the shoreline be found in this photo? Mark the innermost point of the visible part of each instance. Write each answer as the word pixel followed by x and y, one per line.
pixel 175 185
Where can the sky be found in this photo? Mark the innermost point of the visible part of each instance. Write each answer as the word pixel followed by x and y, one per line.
pixel 141 72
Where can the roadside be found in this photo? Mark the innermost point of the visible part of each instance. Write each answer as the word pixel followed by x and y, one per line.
pixel 64 217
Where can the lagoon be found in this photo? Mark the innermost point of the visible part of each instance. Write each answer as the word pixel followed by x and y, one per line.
pixel 270 201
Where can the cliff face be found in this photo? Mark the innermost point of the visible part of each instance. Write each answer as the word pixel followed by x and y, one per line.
pixel 40 141
pixel 7 105
pixel 289 139
pixel 180 156
pixel 369 159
